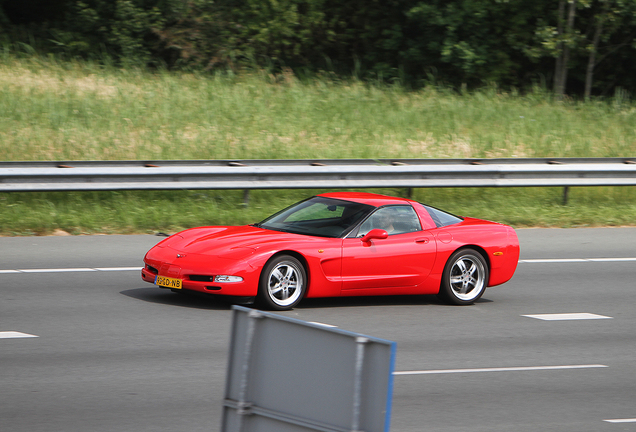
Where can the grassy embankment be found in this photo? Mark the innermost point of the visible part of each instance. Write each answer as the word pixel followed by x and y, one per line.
pixel 73 111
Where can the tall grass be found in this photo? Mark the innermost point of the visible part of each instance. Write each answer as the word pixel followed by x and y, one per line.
pixel 75 111
pixel 81 111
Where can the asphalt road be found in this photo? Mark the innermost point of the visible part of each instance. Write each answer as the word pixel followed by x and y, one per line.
pixel 113 353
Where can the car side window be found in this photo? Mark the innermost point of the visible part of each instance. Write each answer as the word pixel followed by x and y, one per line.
pixel 392 219
pixel 441 218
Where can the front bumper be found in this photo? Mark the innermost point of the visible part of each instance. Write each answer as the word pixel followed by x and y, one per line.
pixel 248 287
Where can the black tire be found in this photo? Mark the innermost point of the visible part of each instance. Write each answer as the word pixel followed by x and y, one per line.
pixel 282 284
pixel 465 277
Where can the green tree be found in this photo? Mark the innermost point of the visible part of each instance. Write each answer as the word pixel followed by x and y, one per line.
pixel 586 33
pixel 258 32
pixel 474 41
pixel 610 18
pixel 124 28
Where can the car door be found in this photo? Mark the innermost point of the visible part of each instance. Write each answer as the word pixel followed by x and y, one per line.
pixel 403 259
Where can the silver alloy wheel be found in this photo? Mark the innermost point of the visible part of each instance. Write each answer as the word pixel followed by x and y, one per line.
pixel 285 283
pixel 467 277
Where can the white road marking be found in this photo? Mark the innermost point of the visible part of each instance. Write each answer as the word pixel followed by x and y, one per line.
pixel 575 260
pixel 15 334
pixel 505 369
pixel 612 259
pixel 58 270
pixel 627 420
pixel 72 270
pixel 567 316
pixel 108 269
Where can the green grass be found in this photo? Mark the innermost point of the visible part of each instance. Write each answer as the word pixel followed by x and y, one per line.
pixel 79 111
pixel 150 212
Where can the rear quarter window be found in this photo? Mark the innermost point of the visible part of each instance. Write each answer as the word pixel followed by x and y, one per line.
pixel 441 218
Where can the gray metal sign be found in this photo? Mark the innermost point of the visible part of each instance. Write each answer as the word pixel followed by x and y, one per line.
pixel 288 375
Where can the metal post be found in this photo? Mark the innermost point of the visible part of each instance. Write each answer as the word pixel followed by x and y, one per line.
pixel 566 194
pixel 357 384
pixel 246 197
pixel 244 407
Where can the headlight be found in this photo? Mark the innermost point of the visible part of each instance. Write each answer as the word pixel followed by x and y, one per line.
pixel 225 278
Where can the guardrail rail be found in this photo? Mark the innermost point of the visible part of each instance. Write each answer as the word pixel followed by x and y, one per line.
pixel 315 174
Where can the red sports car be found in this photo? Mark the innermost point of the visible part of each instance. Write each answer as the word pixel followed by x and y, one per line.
pixel 339 244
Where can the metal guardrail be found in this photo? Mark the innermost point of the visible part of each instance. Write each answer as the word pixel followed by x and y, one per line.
pixel 314 174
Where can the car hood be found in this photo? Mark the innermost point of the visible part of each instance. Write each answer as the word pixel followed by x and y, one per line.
pixel 226 241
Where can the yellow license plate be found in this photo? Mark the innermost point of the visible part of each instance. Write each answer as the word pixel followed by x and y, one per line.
pixel 168 282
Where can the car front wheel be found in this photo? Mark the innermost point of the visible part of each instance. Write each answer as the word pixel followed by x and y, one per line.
pixel 465 277
pixel 282 284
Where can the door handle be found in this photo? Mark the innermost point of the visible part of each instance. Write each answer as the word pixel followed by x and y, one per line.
pixel 421 240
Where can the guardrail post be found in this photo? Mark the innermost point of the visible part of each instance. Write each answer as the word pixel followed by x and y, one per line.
pixel 246 197
pixel 566 195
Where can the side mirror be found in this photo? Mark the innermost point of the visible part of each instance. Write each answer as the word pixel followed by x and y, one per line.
pixel 379 234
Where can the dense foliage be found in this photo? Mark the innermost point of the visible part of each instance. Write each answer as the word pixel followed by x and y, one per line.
pixel 578 47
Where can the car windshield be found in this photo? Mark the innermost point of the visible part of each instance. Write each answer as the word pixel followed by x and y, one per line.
pixel 318 216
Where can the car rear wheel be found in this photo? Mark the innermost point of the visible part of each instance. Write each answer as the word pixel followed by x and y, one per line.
pixel 465 277
pixel 283 283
